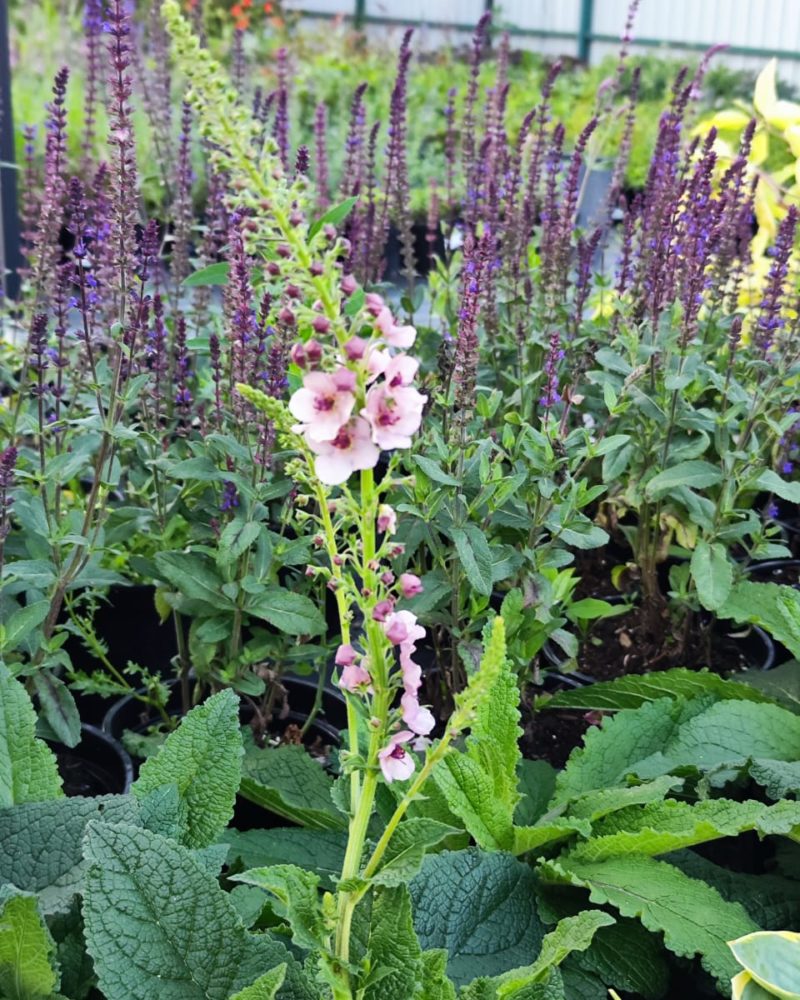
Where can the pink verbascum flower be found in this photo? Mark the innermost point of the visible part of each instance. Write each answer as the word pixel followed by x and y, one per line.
pixel 354 678
pixel 394 415
pixel 350 450
pixel 403 625
pixel 410 584
pixel 323 404
pixel 416 716
pixel 387 519
pixel 401 371
pixel 395 336
pixel 396 762
pixel 345 655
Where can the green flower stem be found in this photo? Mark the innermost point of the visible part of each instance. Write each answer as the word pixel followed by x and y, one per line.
pixel 431 760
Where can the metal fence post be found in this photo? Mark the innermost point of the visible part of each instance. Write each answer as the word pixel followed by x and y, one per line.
pixel 359 13
pixel 585 30
pixel 10 254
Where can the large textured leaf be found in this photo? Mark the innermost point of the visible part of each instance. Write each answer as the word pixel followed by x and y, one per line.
pixel 692 916
pixel 695 473
pixel 393 947
pixel 782 683
pixel 571 934
pixel 406 850
pixel 773 901
pixel 481 908
pixel 158 924
pixel 320 851
pixel 604 801
pixel 778 778
pixel 28 771
pixel 475 555
pixel 26 949
pixel 41 844
pixel 625 956
pixel 536 781
pixel 195 577
pixel 728 732
pixel 480 784
pixel 634 690
pixel 610 751
pixel 265 987
pixel 485 988
pixel 294 898
pixel 203 758
pixel 660 827
pixel 290 783
pixel 435 982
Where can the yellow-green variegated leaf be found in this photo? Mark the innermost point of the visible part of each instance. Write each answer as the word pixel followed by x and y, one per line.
pixel 772 959
pixel 781 114
pixel 728 120
pixel 744 987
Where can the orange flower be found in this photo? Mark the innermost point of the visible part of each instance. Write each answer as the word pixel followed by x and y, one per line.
pixel 236 10
pixel 243 23
pixel 267 8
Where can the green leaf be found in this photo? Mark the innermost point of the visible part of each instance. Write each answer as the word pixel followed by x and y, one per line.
pixel 434 471
pixel 213 274
pixel 625 956
pixel 20 625
pixel 604 801
pixel 320 851
pixel 265 987
pixel 782 684
pixel 481 908
pixel 290 783
pixel 158 924
pixel 393 947
pixel 404 855
pixel 475 555
pixel 773 959
pixel 194 576
pixel 536 780
pixel 295 899
pixel 778 778
pixel 202 758
pixel 58 707
pixel 333 216
pixel 292 613
pixel 41 844
pixel 634 690
pixel 695 473
pixel 28 771
pixel 659 827
pixel 26 949
pixel 534 838
pixel 712 573
pixel 773 606
pixel 571 934
pixel 692 916
pixel 771 482
pixel 435 982
pixel 727 733
pixel 480 785
pixel 611 751
pixel 236 538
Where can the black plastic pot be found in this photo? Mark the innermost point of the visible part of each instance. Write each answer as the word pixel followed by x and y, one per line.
pixel 98 765
pixel 783 571
pixel 131 714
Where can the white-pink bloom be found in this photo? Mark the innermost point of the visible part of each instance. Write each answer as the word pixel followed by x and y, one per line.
pixel 345 655
pixel 395 336
pixel 401 371
pixel 410 584
pixel 416 716
pixel 404 622
pixel 396 762
pixel 377 361
pixel 412 672
pixel 322 405
pixel 394 415
pixel 350 450
pixel 387 519
pixel 354 678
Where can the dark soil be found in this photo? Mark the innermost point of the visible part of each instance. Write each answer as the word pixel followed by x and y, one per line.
pixel 550 736
pixel 629 645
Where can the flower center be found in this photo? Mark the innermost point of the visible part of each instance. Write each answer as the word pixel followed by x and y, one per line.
pixel 324 403
pixel 342 440
pixel 398 752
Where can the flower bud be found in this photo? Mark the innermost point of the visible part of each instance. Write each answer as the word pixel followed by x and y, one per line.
pixel 316 269
pixel 387 519
pixel 293 292
pixel 348 284
pixel 382 610
pixel 410 585
pixel 321 324
pixel 274 268
pixel 314 352
pixel 355 348
pixel 283 250
pixel 387 578
pixel 298 355
pixel 286 316
pixel 345 655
